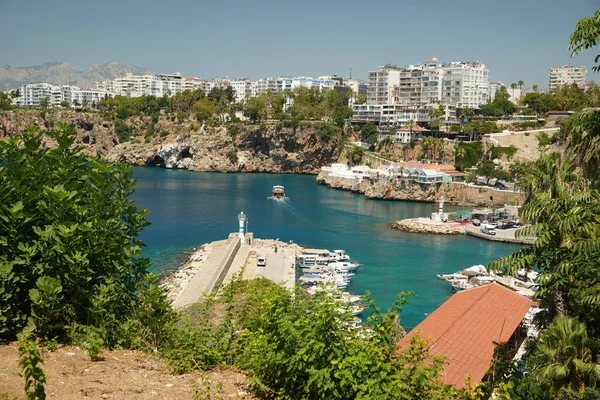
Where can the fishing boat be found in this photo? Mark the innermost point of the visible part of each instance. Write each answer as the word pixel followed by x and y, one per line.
pixel 278 192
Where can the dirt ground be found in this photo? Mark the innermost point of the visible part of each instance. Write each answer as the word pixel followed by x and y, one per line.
pixel 121 374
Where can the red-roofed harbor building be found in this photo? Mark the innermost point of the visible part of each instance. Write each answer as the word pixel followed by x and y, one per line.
pixel 468 327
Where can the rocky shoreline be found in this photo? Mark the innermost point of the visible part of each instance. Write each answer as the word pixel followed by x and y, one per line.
pixel 426 225
pixel 454 193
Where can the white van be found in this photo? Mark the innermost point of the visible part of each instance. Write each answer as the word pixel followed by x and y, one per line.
pixel 261 262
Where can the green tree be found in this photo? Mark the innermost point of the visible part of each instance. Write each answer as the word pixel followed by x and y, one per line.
pixel 535 88
pixel 361 98
pixel 565 356
pixel 256 109
pixel 566 225
pixel 369 133
pixel 521 83
pixel 586 36
pixel 583 143
pixel 184 101
pixel 466 113
pixel 5 101
pixel 69 246
pixel 44 102
pixel 488 170
pixel 436 115
pixel 204 109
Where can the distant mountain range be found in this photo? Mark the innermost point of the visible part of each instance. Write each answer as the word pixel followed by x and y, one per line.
pixel 63 74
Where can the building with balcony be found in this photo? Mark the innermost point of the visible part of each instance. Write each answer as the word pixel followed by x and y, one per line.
pixel 568 75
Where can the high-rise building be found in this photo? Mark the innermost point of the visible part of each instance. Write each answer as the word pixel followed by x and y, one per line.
pixel 568 75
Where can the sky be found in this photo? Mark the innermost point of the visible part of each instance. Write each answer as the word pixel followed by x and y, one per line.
pixel 516 39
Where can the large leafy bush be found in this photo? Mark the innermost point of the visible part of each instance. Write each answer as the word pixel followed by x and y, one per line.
pixel 69 247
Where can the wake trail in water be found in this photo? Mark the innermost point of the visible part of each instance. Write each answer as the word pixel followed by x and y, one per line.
pixel 286 203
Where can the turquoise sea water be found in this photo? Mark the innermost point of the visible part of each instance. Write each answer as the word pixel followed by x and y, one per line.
pixel 188 209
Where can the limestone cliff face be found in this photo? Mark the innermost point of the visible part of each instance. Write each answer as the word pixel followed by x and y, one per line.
pixel 454 193
pixel 186 145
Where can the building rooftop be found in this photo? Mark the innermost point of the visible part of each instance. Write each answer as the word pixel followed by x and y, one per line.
pixel 468 327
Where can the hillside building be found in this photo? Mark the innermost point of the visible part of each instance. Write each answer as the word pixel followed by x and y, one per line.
pixel 568 75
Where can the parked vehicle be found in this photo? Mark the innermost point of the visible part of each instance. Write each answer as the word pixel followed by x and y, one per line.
pixel 261 262
pixel 488 228
pixel 476 222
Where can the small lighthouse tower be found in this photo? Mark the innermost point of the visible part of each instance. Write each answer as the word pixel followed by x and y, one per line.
pixel 441 209
pixel 242 220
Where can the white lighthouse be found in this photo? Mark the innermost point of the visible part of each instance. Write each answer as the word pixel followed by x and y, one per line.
pixel 441 209
pixel 242 220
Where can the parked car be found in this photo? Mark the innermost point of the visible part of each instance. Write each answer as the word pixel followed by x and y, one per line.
pixel 261 262
pixel 476 222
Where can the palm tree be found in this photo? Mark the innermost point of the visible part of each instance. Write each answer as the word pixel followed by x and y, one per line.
pixel 583 142
pixel 466 113
pixel 565 357
pixel 521 83
pixel 513 86
pixel 561 205
pixel 535 88
pixel 459 153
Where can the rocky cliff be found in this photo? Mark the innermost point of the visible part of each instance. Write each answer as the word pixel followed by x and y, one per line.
pixel 454 193
pixel 187 145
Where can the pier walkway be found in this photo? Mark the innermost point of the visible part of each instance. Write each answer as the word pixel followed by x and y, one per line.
pixel 214 270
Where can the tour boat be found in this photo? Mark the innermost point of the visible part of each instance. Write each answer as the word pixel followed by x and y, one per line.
pixel 278 192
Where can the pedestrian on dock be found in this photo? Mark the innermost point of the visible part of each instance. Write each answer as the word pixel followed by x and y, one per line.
pixel 275 249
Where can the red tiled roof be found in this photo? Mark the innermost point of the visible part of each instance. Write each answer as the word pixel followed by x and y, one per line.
pixel 467 328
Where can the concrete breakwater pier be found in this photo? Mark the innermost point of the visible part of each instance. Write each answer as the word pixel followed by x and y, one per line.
pixel 427 225
pixel 216 263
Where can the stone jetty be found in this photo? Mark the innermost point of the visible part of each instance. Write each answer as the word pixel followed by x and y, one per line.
pixel 216 263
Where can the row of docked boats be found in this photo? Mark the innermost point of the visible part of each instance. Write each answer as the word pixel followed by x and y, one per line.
pixel 478 275
pixel 322 270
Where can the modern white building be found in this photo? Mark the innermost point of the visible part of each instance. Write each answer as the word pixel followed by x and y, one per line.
pixel 242 88
pixel 32 94
pixel 410 92
pixel 380 83
pixel 568 75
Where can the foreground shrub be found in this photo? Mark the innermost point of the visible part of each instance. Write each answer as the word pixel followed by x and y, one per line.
pixel 69 247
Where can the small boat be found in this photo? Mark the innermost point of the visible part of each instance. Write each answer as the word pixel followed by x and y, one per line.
pixel 278 192
pixel 342 266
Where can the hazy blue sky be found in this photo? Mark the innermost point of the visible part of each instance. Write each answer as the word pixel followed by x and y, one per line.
pixel 517 39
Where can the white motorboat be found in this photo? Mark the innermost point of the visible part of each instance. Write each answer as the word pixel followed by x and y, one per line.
pixel 342 266
pixel 339 255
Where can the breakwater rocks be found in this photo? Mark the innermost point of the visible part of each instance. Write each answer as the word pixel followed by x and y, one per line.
pixel 426 225
pixel 454 193
pixel 187 144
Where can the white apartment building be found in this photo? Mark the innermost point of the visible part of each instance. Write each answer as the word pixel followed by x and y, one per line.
pixel 242 88
pixel 380 83
pixel 465 84
pixel 461 84
pixel 31 95
pixel 409 93
pixel 568 75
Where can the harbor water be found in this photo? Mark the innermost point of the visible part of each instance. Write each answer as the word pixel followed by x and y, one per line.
pixel 188 209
